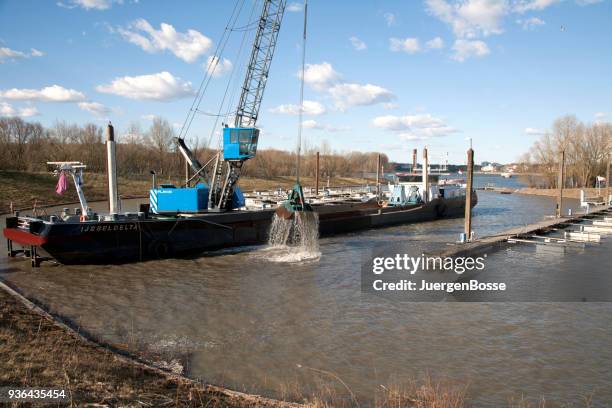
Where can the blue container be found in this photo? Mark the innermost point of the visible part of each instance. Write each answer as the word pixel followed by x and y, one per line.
pixel 171 200
pixel 239 143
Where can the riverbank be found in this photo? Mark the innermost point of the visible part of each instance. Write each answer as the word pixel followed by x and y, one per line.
pixel 38 351
pixel 26 189
pixel 567 192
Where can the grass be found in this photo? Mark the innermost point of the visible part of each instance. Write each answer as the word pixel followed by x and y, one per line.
pixel 26 189
pixel 567 192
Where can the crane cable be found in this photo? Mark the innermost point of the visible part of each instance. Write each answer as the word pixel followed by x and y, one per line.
pixel 301 111
pixel 229 82
pixel 210 70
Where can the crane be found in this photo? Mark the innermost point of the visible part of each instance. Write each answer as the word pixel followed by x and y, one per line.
pixel 240 141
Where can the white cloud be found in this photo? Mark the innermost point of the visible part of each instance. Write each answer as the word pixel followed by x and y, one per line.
pixel 53 93
pixel 36 53
pixel 601 115
pixel 530 23
pixel 6 109
pixel 390 19
pixel 464 49
pixel 149 116
pixel 409 45
pixel 217 67
pixel 9 54
pixel 323 78
pixel 522 6
pixel 470 18
pixel 89 4
pixel 94 108
pixel 390 105
pixel 358 44
pixel 313 124
pixel 320 76
pixel 162 86
pixel 435 43
pixel 534 131
pixel 295 7
pixel 187 46
pixel 310 108
pixel 346 95
pixel 26 112
pixel 414 127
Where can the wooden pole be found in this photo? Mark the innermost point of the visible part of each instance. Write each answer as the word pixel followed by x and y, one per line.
pixel 317 176
pixel 608 184
pixel 468 194
pixel 414 160
pixel 560 182
pixel 378 178
pixel 425 178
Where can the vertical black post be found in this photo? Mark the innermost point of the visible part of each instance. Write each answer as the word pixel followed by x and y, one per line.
pixel 378 177
pixel 608 184
pixel 414 160
pixel 468 194
pixel 560 182
pixel 317 176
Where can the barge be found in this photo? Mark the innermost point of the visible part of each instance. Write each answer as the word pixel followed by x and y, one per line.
pixel 133 237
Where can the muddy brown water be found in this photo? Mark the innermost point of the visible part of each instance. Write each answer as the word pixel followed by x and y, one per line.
pixel 240 319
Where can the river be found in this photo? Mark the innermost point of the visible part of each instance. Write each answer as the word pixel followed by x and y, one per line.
pixel 238 319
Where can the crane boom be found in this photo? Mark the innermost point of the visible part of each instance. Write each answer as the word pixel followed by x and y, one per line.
pixel 259 63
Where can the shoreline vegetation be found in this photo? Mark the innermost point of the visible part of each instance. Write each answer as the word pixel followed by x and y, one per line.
pixel 26 189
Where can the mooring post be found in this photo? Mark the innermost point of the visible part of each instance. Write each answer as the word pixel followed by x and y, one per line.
pixel 560 182
pixel 425 177
pixel 468 194
pixel 608 184
pixel 414 160
pixel 378 177
pixel 317 176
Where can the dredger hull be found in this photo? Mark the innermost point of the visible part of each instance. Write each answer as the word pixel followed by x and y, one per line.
pixel 108 242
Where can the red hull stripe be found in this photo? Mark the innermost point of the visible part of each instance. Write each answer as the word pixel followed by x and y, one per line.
pixel 24 238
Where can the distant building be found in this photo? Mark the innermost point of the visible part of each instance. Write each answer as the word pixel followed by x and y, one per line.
pixel 489 168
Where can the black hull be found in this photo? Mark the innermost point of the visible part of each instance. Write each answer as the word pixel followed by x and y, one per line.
pixel 157 238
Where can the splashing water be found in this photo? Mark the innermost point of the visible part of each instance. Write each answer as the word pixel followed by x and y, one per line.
pixel 295 239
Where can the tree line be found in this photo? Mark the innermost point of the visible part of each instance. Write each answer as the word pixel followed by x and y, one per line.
pixel 587 148
pixel 27 146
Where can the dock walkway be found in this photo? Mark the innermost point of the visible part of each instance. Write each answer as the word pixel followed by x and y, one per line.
pixel 499 241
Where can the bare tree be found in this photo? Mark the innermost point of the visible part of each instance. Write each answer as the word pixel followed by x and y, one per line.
pixel 160 135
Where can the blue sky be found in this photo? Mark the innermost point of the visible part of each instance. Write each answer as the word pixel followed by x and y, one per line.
pixel 381 76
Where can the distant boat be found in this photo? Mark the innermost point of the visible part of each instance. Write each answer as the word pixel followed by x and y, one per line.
pixel 506 175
